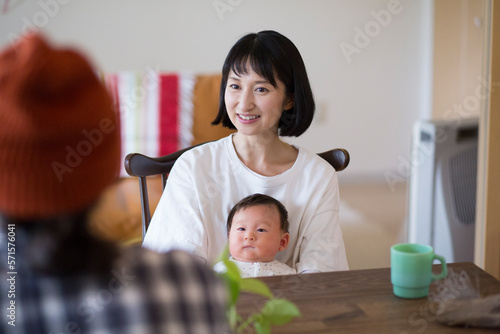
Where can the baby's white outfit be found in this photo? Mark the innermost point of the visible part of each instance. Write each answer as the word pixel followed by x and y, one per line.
pixel 258 269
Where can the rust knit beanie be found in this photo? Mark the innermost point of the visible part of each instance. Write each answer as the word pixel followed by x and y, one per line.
pixel 59 137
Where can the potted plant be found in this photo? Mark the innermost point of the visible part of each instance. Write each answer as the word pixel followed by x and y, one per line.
pixel 276 311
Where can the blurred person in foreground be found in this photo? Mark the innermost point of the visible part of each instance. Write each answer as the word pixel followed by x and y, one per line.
pixel 59 150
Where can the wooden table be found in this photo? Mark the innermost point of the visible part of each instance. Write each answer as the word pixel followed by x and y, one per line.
pixel 361 301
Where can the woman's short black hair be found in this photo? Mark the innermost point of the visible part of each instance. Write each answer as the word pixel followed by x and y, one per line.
pixel 270 54
pixel 259 199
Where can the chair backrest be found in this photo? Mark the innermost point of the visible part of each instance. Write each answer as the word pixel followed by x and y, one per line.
pixel 142 166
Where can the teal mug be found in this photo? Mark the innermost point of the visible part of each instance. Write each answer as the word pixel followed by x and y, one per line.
pixel 411 269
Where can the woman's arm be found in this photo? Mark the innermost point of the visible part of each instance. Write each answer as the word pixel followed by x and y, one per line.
pixel 176 223
pixel 322 245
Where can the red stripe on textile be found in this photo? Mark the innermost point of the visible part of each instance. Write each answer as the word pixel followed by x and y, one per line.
pixel 112 83
pixel 169 113
pixel 116 99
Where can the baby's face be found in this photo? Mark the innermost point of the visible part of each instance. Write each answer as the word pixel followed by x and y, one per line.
pixel 256 234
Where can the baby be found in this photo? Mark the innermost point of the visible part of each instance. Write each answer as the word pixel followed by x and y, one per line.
pixel 257 229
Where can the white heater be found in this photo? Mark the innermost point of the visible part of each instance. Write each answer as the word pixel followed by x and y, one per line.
pixel 442 189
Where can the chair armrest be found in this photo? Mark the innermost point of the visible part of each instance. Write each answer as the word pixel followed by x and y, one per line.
pixel 140 165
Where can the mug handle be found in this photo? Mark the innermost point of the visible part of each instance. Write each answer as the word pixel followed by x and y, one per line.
pixel 444 268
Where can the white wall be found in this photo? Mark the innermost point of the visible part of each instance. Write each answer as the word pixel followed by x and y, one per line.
pixel 366 105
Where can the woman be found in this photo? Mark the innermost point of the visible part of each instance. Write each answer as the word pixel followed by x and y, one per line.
pixel 265 94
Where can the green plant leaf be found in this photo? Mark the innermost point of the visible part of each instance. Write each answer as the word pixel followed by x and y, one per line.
pixel 224 255
pixel 275 311
pixel 255 286
pixel 262 326
pixel 232 316
pixel 232 278
pixel 232 271
pixel 234 291
pixel 279 311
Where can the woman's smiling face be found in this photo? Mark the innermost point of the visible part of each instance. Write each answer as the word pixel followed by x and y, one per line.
pixel 253 104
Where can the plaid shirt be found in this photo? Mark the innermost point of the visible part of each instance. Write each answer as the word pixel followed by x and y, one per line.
pixel 142 292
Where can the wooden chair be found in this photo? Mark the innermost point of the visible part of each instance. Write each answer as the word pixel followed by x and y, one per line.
pixel 142 166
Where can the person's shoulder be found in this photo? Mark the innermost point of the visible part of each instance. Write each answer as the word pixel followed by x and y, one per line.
pixel 166 281
pixel 145 261
pixel 312 160
pixel 278 263
pixel 284 267
pixel 206 149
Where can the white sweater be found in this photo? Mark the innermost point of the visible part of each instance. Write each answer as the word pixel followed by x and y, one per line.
pixel 207 181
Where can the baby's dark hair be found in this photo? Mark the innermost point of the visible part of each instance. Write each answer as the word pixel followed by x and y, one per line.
pixel 259 199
